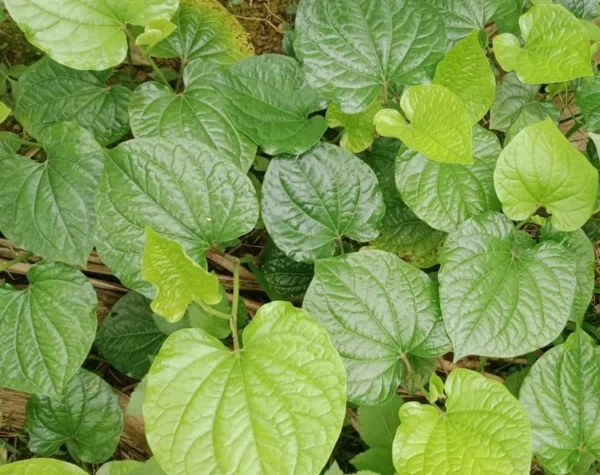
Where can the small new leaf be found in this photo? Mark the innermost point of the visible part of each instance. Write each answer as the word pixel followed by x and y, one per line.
pixel 155 31
pixel 359 131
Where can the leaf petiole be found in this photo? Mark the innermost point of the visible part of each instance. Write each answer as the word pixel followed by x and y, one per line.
pixel 212 311
pixel 235 303
pixel 21 258
pixel 147 57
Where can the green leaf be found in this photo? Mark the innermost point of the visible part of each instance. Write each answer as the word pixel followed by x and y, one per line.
pixel 136 401
pixel 88 419
pixel 466 72
pixel 48 207
pixel 554 175
pixel 446 194
pixel 354 50
pixel 157 111
pixel 378 310
pixel 514 381
pixel 586 9
pixel 181 189
pixel 587 98
pixel 530 114
pixel 267 99
pixel 205 30
pixel 484 430
pixel 309 202
pixel 4 112
pixel 85 34
pixel 359 131
pixel 46 330
pixel 281 398
pixel 334 469
pixel 557 47
pixel 119 468
pixel 377 428
pixel 41 466
pixel 51 93
pixel 501 295
pixel 9 143
pixel 155 31
pixel 511 97
pixel 562 399
pixel 439 128
pixel 151 467
pixel 284 275
pixel 128 337
pixel 177 278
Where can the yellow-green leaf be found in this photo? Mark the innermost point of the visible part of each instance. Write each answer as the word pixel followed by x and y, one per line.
pixel 359 131
pixel 155 31
pixel 4 112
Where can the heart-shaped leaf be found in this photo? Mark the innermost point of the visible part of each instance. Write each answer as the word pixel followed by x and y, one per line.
pixel 41 467
pixel 46 330
pixel 359 131
pixel 281 398
pixel 501 295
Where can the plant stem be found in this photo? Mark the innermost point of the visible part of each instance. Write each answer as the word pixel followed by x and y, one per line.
pixel 180 76
pixel 235 304
pixel 384 94
pixel 21 258
pixel 29 144
pixel 481 365
pixel 212 311
pixel 152 64
pixel 341 244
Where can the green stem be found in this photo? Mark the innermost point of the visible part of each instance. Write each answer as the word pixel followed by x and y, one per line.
pixel 152 64
pixel 235 304
pixel 341 244
pixel 27 143
pixel 21 258
pixel 384 94
pixel 212 311
pixel 481 365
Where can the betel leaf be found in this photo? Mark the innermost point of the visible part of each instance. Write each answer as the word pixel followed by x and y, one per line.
pixel 483 430
pixel 309 202
pixel 181 189
pixel 46 330
pixel 379 311
pixel 150 467
pixel 511 97
pixel 122 467
pixel 446 194
pixel 9 142
pixel 87 419
pixel 539 168
pixel 281 398
pixel 41 466
pixel 155 31
pixel 267 99
pixel 136 400
pixel 4 111
pixel 586 9
pixel 85 34
pixel 467 73
pixel 48 207
pixel 587 98
pixel 286 276
pixel 177 278
pixel 205 29
pixel 353 51
pixel 440 127
pixel 157 111
pixel 128 337
pixel 501 295
pixel 359 131
pixel 561 396
pixel 557 47
pixel 530 114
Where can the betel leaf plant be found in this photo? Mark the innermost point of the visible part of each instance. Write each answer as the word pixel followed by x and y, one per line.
pixel 330 260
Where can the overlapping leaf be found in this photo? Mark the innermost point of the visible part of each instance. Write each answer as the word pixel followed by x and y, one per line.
pixel 41 466
pixel 359 131
pixel 588 101
pixel 121 467
pixel 284 275
pixel 586 9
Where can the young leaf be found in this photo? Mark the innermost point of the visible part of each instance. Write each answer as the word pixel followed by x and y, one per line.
pixel 155 31
pixel 88 419
pixel 157 111
pixel 286 276
pixel 500 294
pixel 267 99
pixel 359 131
pixel 466 72
pixel 484 430
pixel 41 466
pixel 440 127
pixel 554 175
pixel 85 34
pixel 587 98
pixel 353 51
pixel 309 202
pixel 48 207
pixel 378 310
pixel 51 93
pixel 205 29
pixel 46 330
pixel 122 467
pixel 281 398
pixel 557 47
pixel 562 399
pixel 177 278
pixel 446 194
pixel 181 189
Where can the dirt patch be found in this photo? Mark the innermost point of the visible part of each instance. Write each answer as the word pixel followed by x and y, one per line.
pixel 14 47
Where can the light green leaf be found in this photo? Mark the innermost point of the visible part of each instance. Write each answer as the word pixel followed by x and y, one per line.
pixel 151 467
pixel 51 93
pixel 359 131
pixel 119 468
pixel 4 112
pixel 128 337
pixel 87 418
pixel 334 469
pixel 446 194
pixel 501 295
pixel 136 401
pixel 155 31
pixel 281 398
pixel 557 47
pixel 561 395
pixel 284 275
pixel 205 29
pixel 484 430
pixel 587 98
pixel 541 168
pixel 177 278
pixel 85 34
pixel 439 128
pixel 41 467
pixel 466 72
pixel 47 207
pixel 157 111
pixel 267 99
pixel 378 310
pixel 309 202
pixel 511 97
pixel 354 50
pixel 586 9
pixel 181 189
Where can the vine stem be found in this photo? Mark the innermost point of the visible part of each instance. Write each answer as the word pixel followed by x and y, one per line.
pixel 212 311
pixel 21 258
pixel 151 62
pixel 235 304
pixel 29 144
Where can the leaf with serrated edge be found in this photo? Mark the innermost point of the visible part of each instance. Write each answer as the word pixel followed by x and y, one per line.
pixel 359 131
pixel 282 398
pixel 501 295
pixel 484 430
pixel 41 466
pixel 554 175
